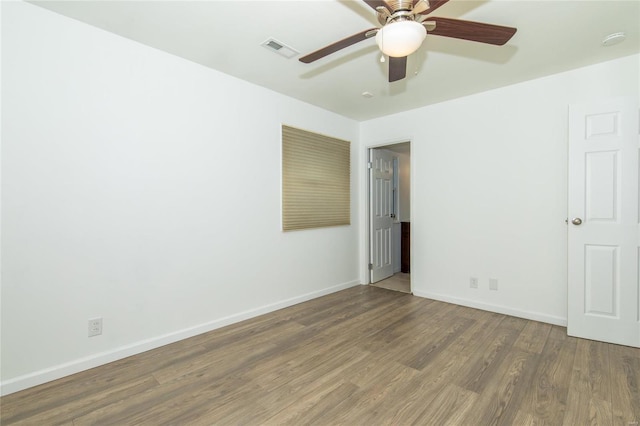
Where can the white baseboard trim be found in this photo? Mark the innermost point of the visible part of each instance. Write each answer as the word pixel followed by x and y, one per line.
pixel 499 309
pixel 56 372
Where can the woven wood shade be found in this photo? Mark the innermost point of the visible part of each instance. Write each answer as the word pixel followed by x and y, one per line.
pixel 316 173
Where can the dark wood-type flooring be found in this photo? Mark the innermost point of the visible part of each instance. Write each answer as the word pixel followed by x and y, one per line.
pixel 363 356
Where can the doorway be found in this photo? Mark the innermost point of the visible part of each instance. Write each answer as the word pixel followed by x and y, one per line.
pixel 389 216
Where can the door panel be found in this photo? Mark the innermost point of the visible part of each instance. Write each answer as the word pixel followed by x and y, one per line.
pixel 381 194
pixel 604 233
pixel 601 281
pixel 602 183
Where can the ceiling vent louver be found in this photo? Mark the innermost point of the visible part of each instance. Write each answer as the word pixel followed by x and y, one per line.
pixel 279 48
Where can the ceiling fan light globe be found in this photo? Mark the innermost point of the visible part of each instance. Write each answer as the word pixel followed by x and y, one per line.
pixel 399 39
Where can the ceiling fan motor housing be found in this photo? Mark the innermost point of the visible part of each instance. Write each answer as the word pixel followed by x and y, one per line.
pixel 397 5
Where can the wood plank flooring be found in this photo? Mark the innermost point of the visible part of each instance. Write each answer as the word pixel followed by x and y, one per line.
pixel 362 356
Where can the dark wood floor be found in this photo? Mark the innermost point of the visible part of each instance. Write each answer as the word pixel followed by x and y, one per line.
pixel 363 356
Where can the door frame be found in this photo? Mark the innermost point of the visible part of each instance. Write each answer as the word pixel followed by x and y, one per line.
pixel 365 203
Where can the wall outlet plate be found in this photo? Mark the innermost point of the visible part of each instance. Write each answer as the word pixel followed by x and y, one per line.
pixel 493 284
pixel 95 327
pixel 473 282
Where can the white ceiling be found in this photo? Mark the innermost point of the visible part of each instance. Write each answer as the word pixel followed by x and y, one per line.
pixel 553 36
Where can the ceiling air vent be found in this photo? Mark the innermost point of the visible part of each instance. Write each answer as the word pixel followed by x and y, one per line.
pixel 280 48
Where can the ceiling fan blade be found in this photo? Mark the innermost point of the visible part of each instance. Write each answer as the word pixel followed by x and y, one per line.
pixel 473 31
pixel 420 6
pixel 397 68
pixel 433 5
pixel 338 45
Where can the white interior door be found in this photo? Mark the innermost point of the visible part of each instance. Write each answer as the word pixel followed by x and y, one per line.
pixel 381 214
pixel 604 237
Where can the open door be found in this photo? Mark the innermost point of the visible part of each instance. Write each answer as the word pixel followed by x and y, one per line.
pixel 381 214
pixel 604 233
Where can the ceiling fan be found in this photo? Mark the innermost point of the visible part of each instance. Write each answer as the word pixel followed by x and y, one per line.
pixel 405 25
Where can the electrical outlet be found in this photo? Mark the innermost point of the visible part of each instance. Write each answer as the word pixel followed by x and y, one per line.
pixel 95 327
pixel 493 284
pixel 473 282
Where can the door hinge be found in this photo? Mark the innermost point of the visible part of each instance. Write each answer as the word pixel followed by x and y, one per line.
pixel 371 266
pixel 370 165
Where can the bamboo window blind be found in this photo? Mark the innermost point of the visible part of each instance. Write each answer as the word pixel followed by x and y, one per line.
pixel 316 180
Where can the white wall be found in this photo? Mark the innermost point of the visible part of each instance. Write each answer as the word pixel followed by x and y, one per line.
pixel 143 189
pixel 489 189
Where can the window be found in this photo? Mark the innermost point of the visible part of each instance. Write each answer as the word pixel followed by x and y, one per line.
pixel 316 180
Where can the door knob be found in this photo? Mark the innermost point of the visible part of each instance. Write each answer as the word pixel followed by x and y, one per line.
pixel 576 221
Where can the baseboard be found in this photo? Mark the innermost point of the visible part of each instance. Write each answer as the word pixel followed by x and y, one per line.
pixel 534 316
pixel 56 372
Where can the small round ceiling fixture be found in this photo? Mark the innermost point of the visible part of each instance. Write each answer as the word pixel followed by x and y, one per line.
pixel 614 38
pixel 367 95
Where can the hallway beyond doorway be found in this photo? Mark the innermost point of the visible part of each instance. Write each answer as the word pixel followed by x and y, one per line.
pixel 397 282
